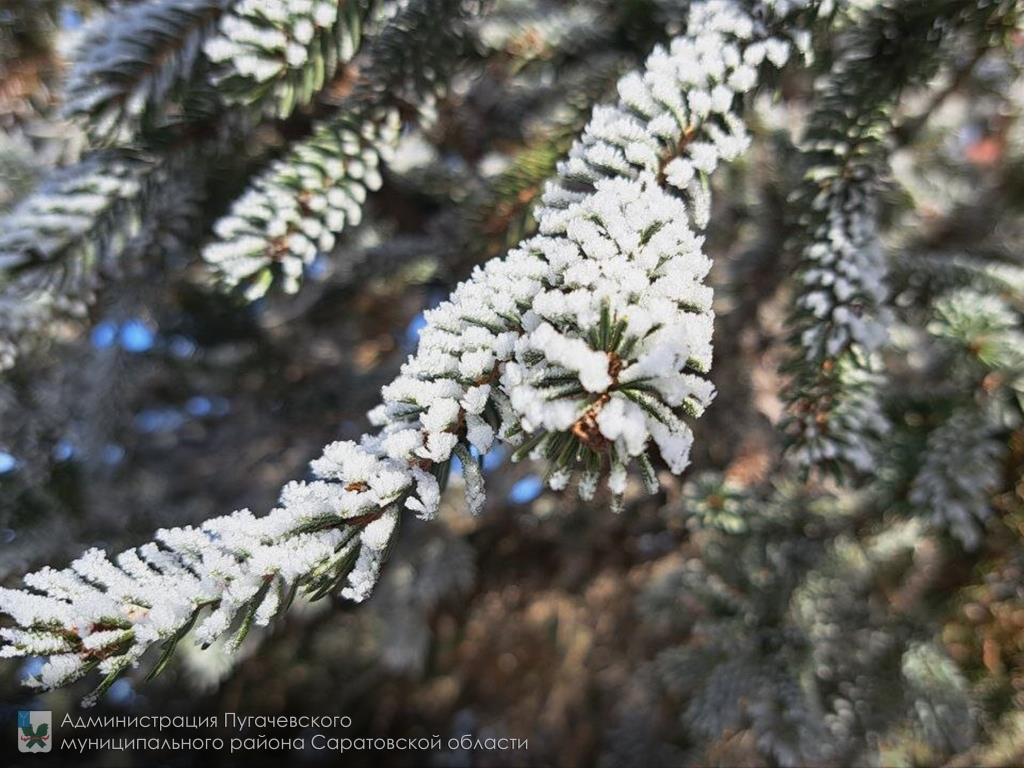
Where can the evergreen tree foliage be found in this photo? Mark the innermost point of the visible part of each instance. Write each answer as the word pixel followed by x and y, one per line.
pixel 722 298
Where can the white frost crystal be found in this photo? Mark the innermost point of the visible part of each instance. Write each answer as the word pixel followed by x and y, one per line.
pixel 81 214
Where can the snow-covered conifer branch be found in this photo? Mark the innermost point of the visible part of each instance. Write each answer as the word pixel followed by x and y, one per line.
pixel 502 214
pixel 801 654
pixel 983 330
pixel 840 316
pixel 938 697
pixel 294 210
pixel 852 641
pixel 57 241
pixel 676 119
pixel 527 32
pixel 960 473
pixel 984 348
pixel 129 63
pixel 279 53
pixel 587 346
pixel 737 677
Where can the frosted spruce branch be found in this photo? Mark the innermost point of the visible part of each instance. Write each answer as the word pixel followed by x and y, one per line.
pixel 528 32
pixel 960 473
pixel 739 675
pixel 278 53
pixel 295 209
pixel 139 64
pixel 840 317
pixel 981 345
pixel 129 65
pixel 806 654
pixel 55 243
pixel 870 667
pixel 679 123
pixel 587 346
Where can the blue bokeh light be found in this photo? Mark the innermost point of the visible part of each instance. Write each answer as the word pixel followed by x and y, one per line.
pixel 112 454
pixel 199 406
pixel 494 458
pixel 63 450
pixel 32 667
pixel 158 420
pixel 70 19
pixel 121 692
pixel 136 336
pixel 412 331
pixel 7 463
pixel 104 334
pixel 317 270
pixel 182 347
pixel 526 489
